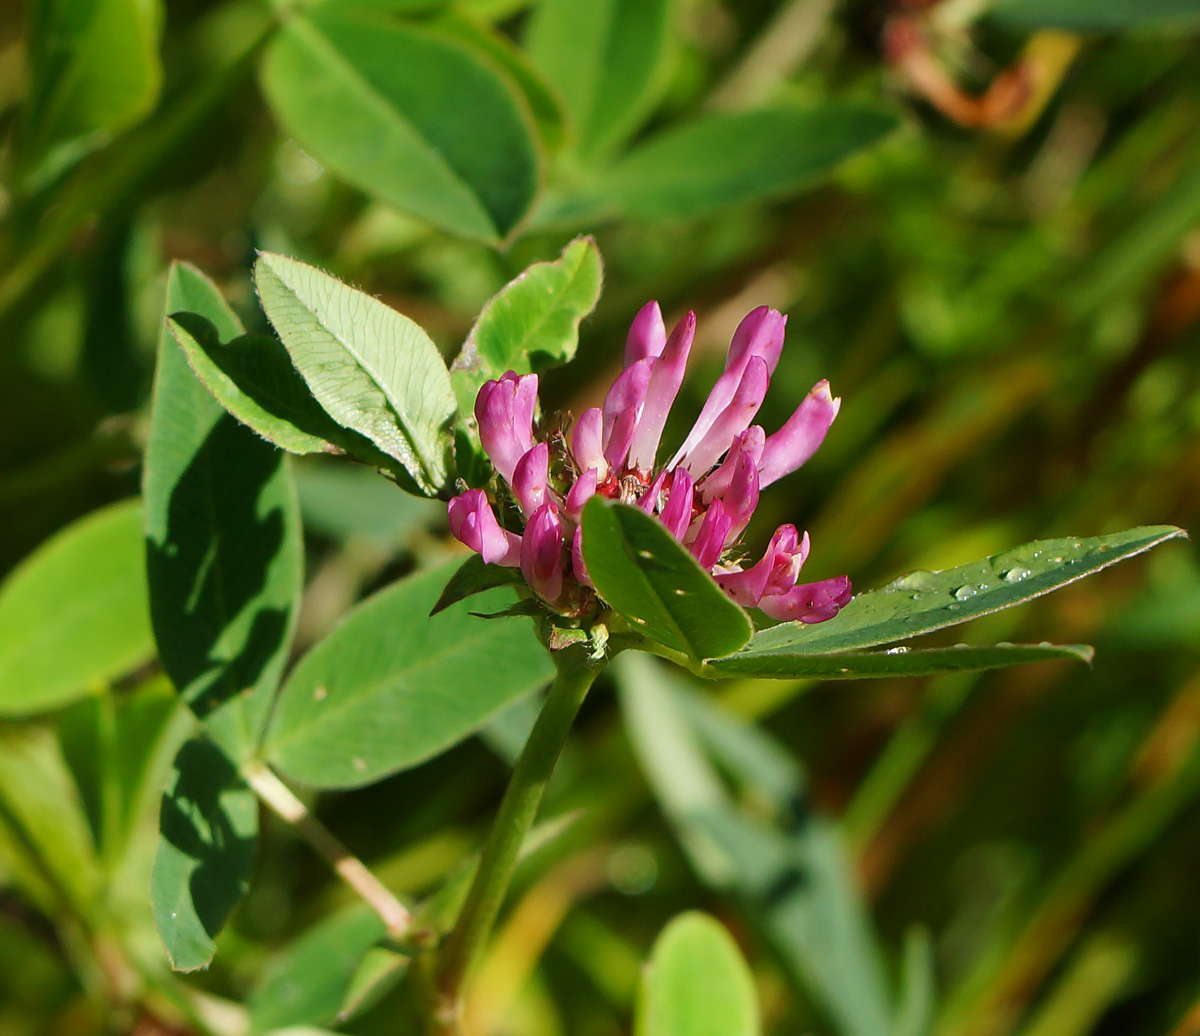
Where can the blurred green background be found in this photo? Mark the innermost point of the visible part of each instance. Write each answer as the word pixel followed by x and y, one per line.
pixel 1004 291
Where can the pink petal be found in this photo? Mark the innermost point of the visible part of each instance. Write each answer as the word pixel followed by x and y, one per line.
pixel 749 442
pixel 541 553
pixel 665 380
pixel 741 498
pixel 529 478
pixel 622 407
pixel 504 412
pixel 810 602
pixel 677 515
pixel 647 335
pixel 733 420
pixel 759 334
pixel 800 435
pixel 648 501
pixel 587 441
pixel 473 522
pixel 710 539
pixel 577 565
pixel 775 574
pixel 581 492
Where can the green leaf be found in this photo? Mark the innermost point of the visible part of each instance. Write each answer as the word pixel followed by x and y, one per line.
pixel 73 615
pixel 648 577
pixel 410 115
pixel 94 71
pixel 543 105
pixel 208 831
pixel 371 368
pixel 720 160
pixel 308 983
pixel 855 665
pixel 921 602
pixel 223 543
pixel 918 1008
pixel 1098 15
pixel 44 817
pixel 346 501
pixel 697 983
pixel 607 58
pixel 473 577
pixel 532 323
pixel 392 686
pixel 118 747
pixel 253 378
pixel 791 873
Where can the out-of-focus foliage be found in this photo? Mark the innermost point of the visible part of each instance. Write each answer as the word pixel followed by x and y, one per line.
pixel 984 222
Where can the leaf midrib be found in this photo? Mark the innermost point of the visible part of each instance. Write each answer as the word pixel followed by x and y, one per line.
pixel 273 744
pixel 918 630
pixel 423 459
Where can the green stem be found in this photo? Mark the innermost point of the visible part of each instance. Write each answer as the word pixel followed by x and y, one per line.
pixel 517 811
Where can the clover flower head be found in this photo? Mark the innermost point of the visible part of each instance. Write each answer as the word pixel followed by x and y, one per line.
pixel 705 494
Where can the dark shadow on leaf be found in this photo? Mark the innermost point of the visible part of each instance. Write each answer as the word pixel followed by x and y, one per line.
pixel 195 820
pixel 212 565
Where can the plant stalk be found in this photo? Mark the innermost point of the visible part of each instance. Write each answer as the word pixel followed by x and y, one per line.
pixel 576 672
pixel 346 865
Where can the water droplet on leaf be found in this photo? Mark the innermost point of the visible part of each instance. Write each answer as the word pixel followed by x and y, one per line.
pixel 965 592
pixel 919 580
pixel 1016 574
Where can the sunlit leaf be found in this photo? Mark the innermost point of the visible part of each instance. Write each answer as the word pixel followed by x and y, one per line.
pixel 648 577
pixel 393 686
pixel 73 615
pixel 371 368
pixel 367 96
pixel 855 665
pixel 697 983
pixel 532 323
pixel 720 160
pixel 726 159
pixel 543 105
pixel 606 58
pixel 253 378
pixel 921 602
pixel 94 70
pixel 43 818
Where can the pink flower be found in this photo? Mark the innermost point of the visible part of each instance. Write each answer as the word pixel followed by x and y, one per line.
pixel 705 495
pixel 473 521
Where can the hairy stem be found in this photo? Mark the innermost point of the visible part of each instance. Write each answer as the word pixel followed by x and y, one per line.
pixel 517 811
pixel 347 866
